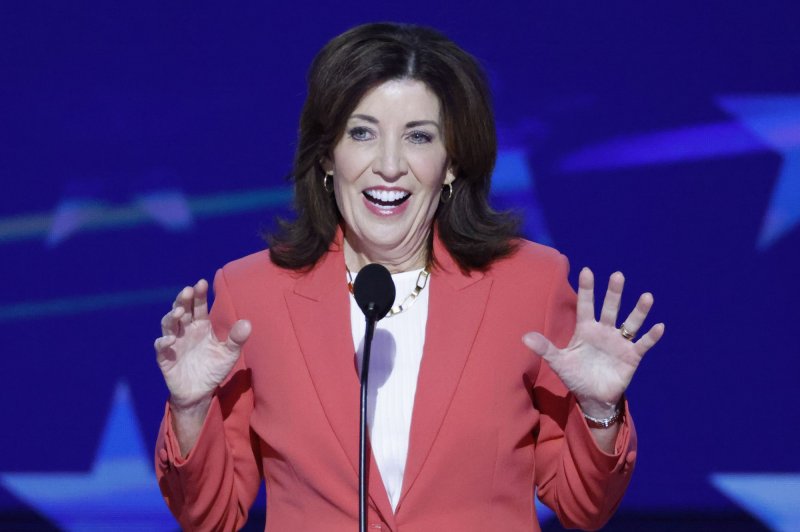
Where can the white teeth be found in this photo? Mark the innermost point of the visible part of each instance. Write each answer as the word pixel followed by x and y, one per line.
pixel 386 195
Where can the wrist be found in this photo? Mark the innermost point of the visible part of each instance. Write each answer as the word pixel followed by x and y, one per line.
pixel 602 415
pixel 188 421
pixel 197 407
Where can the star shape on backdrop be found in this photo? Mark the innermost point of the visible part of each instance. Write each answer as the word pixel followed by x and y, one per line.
pixel 765 122
pixel 119 493
pixel 771 498
pixel 513 188
pixel 168 208
pixel 775 120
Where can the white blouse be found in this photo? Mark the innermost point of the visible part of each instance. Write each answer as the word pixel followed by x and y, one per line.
pixel 394 367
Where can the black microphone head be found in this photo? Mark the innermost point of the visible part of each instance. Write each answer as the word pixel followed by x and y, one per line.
pixel 374 291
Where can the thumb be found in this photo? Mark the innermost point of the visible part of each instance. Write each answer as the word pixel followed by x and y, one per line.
pixel 239 334
pixel 540 345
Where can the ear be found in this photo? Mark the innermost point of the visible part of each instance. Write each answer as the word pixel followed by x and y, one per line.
pixel 326 164
pixel 450 176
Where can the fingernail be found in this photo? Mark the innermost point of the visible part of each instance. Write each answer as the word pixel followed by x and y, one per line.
pixel 527 339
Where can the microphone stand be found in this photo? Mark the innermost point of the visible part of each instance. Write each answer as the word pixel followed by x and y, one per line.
pixel 362 431
pixel 374 292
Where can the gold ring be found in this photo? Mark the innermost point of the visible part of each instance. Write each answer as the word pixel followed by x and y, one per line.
pixel 628 335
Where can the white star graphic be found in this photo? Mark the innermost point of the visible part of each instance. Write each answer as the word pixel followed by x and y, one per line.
pixel 772 498
pixel 775 120
pixel 120 492
pixel 763 122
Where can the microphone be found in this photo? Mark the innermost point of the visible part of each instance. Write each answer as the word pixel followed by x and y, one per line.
pixel 374 292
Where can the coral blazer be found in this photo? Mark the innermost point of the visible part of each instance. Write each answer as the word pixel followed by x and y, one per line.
pixel 491 421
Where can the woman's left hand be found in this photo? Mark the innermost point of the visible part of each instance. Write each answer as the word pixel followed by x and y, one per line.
pixel 599 362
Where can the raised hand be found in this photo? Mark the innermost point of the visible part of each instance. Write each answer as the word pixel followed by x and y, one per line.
pixel 599 362
pixel 194 362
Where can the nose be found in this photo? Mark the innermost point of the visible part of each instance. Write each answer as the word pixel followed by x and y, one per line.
pixel 390 161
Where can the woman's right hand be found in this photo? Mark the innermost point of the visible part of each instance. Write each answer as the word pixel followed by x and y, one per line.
pixel 193 361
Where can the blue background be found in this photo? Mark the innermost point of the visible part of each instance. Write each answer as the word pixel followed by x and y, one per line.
pixel 145 144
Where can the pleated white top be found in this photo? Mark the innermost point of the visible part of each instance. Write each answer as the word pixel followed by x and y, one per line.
pixel 394 367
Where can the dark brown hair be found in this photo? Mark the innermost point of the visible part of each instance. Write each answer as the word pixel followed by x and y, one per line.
pixel 340 75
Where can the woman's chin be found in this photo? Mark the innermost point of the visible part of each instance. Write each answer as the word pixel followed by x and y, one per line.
pixel 388 245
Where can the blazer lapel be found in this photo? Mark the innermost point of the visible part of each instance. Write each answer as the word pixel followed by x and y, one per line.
pixel 455 309
pixel 319 309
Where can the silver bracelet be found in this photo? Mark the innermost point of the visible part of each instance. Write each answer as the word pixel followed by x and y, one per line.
pixel 603 423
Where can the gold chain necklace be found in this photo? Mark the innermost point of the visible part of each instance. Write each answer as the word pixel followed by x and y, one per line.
pixel 422 281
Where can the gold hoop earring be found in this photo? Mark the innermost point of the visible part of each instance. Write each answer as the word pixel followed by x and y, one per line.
pixel 326 185
pixel 447 192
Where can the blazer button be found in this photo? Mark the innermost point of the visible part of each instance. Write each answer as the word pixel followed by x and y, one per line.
pixel 630 458
pixel 164 459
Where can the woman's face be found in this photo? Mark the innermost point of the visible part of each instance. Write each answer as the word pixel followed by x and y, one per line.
pixel 389 168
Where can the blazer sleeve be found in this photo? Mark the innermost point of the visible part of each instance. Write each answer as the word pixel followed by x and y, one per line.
pixel 214 486
pixel 579 481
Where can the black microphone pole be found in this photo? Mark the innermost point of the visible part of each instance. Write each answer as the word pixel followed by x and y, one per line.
pixel 362 428
pixel 374 292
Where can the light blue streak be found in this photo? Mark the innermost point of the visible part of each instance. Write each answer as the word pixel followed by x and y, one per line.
pixel 100 216
pixel 679 145
pixel 80 304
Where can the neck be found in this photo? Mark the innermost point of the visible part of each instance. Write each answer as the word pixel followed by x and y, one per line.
pixel 396 261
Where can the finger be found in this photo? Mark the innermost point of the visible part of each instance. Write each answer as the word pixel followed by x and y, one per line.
pixel 171 322
pixel 239 334
pixel 162 346
pixel 163 342
pixel 585 310
pixel 179 298
pixel 540 345
pixel 185 301
pixel 649 340
pixel 608 315
pixel 200 303
pixel 637 316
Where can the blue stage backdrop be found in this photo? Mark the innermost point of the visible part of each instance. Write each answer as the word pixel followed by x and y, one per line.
pixel 145 144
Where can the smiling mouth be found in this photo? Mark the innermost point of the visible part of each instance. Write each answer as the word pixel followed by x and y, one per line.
pixel 386 198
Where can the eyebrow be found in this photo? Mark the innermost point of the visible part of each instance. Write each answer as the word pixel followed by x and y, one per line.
pixel 415 123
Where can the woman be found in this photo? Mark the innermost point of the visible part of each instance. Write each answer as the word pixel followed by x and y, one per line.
pixel 396 149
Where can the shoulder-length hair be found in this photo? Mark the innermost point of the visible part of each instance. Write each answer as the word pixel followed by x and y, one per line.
pixel 340 75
